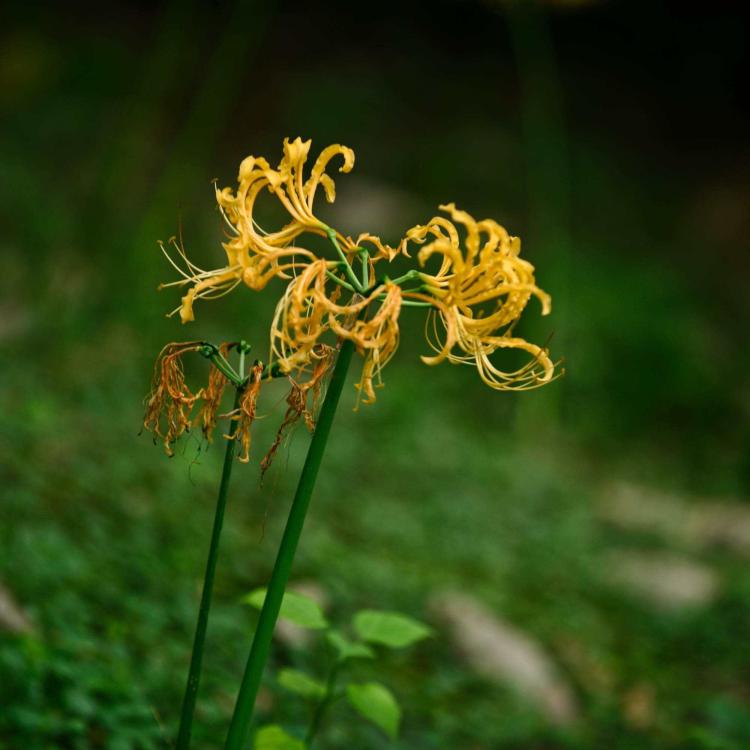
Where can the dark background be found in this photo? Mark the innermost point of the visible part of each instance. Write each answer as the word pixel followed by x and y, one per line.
pixel 605 516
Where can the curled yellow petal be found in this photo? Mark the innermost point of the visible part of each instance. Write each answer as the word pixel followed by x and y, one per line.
pixel 479 294
pixel 186 307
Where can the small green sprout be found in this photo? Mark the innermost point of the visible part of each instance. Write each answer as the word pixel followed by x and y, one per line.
pixel 370 700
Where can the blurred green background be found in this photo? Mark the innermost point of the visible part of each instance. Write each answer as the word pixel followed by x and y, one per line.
pixel 598 530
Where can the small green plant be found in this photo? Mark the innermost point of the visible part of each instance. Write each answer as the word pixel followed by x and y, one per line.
pixel 372 701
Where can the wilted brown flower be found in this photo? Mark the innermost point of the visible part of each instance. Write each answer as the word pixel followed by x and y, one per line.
pixel 302 400
pixel 212 395
pixel 170 402
pixel 244 416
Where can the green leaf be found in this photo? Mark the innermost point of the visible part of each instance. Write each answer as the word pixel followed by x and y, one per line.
pixel 300 683
pixel 377 704
pixel 301 610
pixel 273 737
pixel 347 649
pixel 389 628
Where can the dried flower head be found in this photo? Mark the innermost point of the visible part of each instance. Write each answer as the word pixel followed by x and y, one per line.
pixel 170 402
pixel 212 395
pixel 302 399
pixel 245 413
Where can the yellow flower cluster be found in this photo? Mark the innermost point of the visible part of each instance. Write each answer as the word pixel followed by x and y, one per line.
pixel 474 297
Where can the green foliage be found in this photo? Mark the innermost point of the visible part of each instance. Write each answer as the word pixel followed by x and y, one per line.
pixel 300 683
pixel 370 700
pixel 377 704
pixel 389 628
pixel 71 695
pixel 274 737
pixel 347 649
pixel 300 610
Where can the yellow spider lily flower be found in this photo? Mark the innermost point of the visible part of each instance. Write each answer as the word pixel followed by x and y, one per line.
pixel 477 292
pixel 255 256
pixel 288 184
pixel 309 310
pixel 483 287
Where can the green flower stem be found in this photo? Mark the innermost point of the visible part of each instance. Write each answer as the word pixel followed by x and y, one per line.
pixel 191 689
pixel 410 302
pixel 243 348
pixel 353 280
pixel 339 281
pixel 212 353
pixel 408 276
pixel 320 710
pixel 243 711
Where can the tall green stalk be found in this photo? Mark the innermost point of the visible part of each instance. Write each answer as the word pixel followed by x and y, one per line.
pixel 243 711
pixel 194 675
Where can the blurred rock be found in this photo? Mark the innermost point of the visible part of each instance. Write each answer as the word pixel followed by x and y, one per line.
pixel 12 616
pixel 503 653
pixel 666 580
pixel 721 524
pixel 696 524
pixel 632 507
